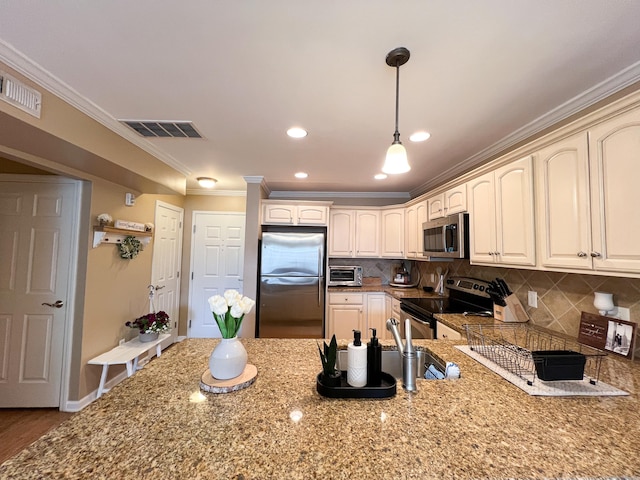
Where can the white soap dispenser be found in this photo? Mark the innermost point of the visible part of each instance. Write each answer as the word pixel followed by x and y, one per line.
pixel 357 361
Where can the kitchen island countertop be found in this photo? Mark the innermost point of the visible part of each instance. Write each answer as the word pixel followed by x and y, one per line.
pixel 479 426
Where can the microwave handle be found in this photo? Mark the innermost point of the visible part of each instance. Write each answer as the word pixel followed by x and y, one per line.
pixel 444 238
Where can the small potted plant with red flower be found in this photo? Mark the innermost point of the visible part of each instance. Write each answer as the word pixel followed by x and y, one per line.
pixel 150 325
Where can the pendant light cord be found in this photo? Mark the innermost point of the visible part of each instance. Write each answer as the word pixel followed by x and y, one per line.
pixel 396 134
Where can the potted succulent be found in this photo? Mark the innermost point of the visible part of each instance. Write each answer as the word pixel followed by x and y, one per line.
pixel 150 325
pixel 330 376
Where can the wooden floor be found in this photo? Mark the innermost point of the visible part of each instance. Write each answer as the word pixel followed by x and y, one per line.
pixel 20 427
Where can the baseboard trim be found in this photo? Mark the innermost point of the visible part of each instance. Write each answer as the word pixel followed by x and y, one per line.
pixel 77 405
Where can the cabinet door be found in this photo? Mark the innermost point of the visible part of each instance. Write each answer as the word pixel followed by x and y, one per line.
pixel 312 215
pixel 614 149
pixel 514 213
pixel 376 315
pixel 435 207
pixel 341 233
pixel 367 233
pixel 392 233
pixel 410 231
pixel 344 319
pixel 482 219
pixel 278 214
pixel 445 332
pixel 562 200
pixel 455 200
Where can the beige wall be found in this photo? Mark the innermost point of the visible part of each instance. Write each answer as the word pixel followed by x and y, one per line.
pixel 116 289
pixel 194 203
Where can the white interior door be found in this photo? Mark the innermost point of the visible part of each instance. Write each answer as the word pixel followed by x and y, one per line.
pixel 217 260
pixel 167 255
pixel 38 221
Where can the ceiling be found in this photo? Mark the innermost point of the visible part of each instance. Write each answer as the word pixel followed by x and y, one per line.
pixel 482 75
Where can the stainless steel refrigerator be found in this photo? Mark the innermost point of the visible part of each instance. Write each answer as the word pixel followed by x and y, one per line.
pixel 291 296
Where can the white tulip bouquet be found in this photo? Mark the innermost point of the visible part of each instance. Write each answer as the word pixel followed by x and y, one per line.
pixel 229 310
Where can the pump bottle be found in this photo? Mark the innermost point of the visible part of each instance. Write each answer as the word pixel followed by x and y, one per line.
pixel 357 361
pixel 374 361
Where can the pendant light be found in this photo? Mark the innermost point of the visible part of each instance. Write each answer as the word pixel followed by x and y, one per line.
pixel 396 160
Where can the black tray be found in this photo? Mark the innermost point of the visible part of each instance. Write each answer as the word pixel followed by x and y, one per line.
pixel 552 365
pixel 386 389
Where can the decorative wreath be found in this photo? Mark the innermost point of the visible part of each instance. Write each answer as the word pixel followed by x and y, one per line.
pixel 130 247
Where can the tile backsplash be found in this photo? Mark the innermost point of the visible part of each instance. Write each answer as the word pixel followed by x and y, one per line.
pixel 562 297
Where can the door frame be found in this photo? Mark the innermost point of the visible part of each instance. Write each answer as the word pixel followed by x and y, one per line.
pixel 180 210
pixel 64 403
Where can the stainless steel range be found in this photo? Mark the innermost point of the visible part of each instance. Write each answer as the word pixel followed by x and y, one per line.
pixel 465 295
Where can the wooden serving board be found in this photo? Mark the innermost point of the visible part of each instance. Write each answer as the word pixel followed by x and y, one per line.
pixel 213 385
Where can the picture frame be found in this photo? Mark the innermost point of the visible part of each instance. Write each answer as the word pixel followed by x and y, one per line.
pixel 608 334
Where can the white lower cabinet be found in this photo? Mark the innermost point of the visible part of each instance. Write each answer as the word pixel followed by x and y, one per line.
pixel 357 311
pixel 346 314
pixel 445 332
pixel 376 315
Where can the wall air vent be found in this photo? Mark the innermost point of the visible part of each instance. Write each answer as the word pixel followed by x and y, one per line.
pixel 151 128
pixel 19 95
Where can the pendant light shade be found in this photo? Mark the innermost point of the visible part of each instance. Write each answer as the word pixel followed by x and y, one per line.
pixel 396 160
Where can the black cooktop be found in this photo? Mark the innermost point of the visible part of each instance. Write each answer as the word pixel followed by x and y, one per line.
pixel 428 306
pixel 465 295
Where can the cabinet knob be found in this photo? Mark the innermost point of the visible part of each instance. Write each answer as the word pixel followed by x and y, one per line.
pixel 582 254
pixel 491 253
pixel 496 253
pixel 596 254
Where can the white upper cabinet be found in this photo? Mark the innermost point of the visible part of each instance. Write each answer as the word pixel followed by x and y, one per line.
pixel 367 233
pixel 278 213
pixel 501 215
pixel 563 204
pixel 414 216
pixel 452 201
pixel 342 228
pixel 354 233
pixel 587 197
pixel 614 165
pixel 392 233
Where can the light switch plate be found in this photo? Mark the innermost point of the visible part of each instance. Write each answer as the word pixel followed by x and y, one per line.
pixel 532 298
pixel 129 199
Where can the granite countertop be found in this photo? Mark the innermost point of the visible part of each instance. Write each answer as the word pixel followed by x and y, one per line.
pixel 480 426
pixel 396 292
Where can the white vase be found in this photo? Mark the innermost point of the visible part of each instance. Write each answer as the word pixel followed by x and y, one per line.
pixel 148 337
pixel 228 359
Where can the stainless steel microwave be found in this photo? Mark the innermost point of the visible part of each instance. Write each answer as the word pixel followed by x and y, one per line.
pixel 345 276
pixel 447 237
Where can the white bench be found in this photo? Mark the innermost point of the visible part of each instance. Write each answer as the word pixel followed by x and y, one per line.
pixel 125 354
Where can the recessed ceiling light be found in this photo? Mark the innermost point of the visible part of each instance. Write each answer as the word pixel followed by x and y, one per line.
pixel 207 182
pixel 297 132
pixel 380 176
pixel 301 175
pixel 419 136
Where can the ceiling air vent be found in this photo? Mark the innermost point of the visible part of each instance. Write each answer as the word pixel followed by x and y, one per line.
pixel 150 128
pixel 19 95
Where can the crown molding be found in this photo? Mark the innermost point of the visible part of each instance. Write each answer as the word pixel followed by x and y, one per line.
pixel 595 94
pixel 308 194
pixel 34 72
pixel 219 193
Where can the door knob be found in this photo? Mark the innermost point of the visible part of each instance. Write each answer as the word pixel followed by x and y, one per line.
pixel 58 304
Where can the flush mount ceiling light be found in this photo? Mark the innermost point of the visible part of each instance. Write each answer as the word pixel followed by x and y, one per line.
pixel 396 160
pixel 207 182
pixel 297 132
pixel 419 136
pixel 301 175
pixel 380 176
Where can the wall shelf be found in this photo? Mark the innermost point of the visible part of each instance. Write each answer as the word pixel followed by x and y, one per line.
pixel 117 235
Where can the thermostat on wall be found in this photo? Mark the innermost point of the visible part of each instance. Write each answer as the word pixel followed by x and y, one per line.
pixel 129 199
